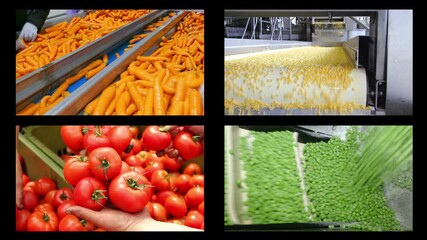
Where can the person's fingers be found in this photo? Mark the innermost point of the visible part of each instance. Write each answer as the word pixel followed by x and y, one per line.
pixel 84 213
pixel 107 218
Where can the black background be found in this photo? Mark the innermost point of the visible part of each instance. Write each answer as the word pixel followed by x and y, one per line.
pixel 214 119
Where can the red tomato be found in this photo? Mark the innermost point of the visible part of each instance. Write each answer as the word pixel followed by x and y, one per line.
pixel 188 145
pixel 44 185
pixel 183 183
pixel 195 196
pixel 44 207
pixel 61 209
pixel 176 206
pixel 157 211
pixel 197 180
pixel 119 137
pixel 95 139
pixel 201 208
pixel 22 219
pixel 134 130
pixel 151 168
pixel 25 179
pixel 125 167
pixel 72 136
pixel 105 163
pixel 73 223
pixel 76 168
pixel 134 160
pixel 163 195
pixel 160 179
pixel 91 193
pixel 193 168
pixel 194 219
pixel 156 138
pixel 134 147
pixel 137 169
pixel 49 197
pixel 43 221
pixel 61 196
pixel 30 186
pixel 171 164
pixel 130 192
pixel 30 200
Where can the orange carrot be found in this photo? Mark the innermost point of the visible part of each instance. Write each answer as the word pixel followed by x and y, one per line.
pixel 58 92
pixel 122 103
pixel 136 96
pixel 29 110
pixel 104 100
pixel 94 71
pixel 195 103
pixel 148 106
pixel 90 107
pixel 112 105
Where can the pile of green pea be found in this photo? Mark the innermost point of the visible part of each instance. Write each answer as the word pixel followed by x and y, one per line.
pixel 329 169
pixel 271 181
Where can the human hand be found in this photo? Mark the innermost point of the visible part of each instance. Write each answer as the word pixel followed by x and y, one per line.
pixel 19 44
pixel 29 32
pixel 115 220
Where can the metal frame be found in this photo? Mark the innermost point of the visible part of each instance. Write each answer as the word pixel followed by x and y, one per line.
pixel 75 103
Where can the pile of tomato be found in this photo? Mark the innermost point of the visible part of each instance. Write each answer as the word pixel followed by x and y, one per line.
pixel 129 170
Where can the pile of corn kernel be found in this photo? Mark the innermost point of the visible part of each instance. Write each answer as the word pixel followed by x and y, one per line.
pixel 298 78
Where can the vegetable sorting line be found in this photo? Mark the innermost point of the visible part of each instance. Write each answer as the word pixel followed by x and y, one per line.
pixel 264 192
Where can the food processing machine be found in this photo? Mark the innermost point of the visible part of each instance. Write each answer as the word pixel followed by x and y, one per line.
pixel 381 46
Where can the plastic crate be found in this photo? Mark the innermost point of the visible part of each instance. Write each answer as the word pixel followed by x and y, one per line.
pixel 48 140
pixel 37 164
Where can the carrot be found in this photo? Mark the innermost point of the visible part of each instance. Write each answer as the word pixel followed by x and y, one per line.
pixel 140 73
pixel 177 109
pixel 90 107
pixel 144 83
pixel 136 96
pixel 159 104
pixel 195 102
pixel 131 109
pixel 43 110
pixel 104 100
pixel 76 77
pixel 58 92
pixel 186 106
pixel 32 61
pixel 193 81
pixel 168 89
pixel 43 101
pixel 112 105
pixel 94 71
pixel 29 109
pixel 179 91
pixel 92 65
pixel 151 59
pixel 148 105
pixel 105 59
pixel 122 103
pixel 129 78
pixel 117 55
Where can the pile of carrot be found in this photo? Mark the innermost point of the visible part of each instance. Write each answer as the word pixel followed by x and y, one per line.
pixel 49 101
pixel 61 39
pixel 165 83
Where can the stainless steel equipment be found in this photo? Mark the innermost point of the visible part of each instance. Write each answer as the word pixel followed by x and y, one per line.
pixel 385 52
